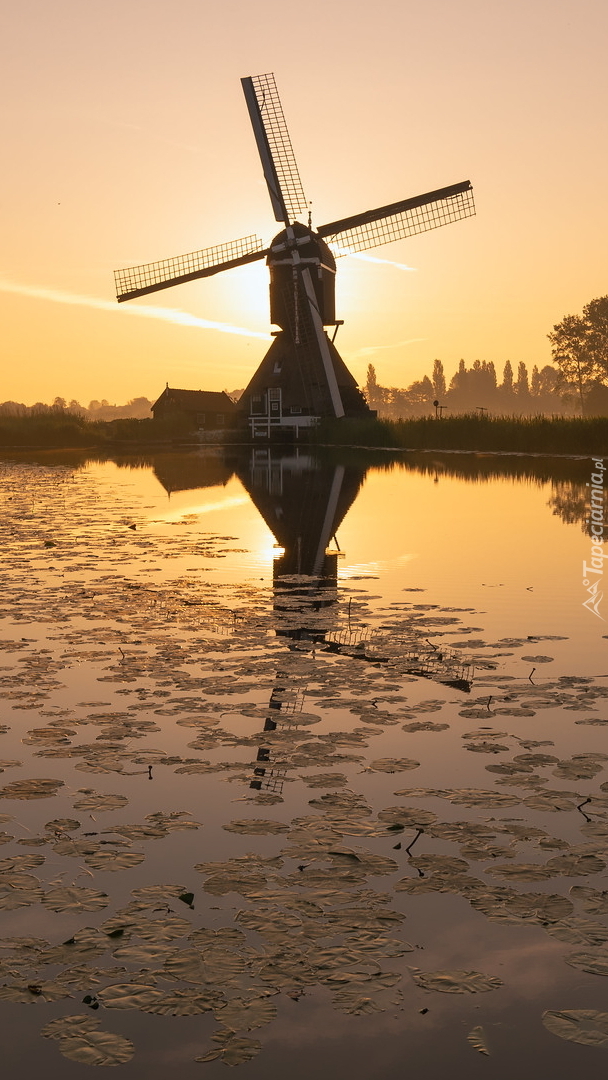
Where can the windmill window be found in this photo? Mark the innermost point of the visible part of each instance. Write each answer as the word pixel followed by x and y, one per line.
pixel 220 419
pixel 274 399
pixel 277 367
pixel 296 410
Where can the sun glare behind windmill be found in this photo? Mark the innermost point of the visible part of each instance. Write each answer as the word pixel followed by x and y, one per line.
pixel 302 378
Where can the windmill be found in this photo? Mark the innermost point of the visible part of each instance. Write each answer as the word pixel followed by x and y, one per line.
pixel 302 378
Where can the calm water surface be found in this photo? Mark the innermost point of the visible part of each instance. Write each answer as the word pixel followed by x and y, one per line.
pixel 304 767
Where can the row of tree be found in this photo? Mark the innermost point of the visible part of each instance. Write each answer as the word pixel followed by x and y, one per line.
pixel 577 384
pixel 472 388
pixel 138 408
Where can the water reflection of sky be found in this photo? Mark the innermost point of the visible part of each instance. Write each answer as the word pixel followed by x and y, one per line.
pixel 172 624
pixel 495 544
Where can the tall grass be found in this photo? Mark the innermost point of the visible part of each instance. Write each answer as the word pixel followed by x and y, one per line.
pixel 63 430
pixel 46 429
pixel 515 434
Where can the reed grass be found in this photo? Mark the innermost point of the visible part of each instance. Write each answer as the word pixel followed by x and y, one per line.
pixel 67 430
pixel 509 434
pixel 516 434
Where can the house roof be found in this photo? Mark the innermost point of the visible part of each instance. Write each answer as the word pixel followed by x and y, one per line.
pixel 196 400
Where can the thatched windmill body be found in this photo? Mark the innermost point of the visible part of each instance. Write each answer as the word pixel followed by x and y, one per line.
pixel 302 378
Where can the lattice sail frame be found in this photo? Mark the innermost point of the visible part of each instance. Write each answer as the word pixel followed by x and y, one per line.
pixel 400 220
pixel 289 200
pixel 150 277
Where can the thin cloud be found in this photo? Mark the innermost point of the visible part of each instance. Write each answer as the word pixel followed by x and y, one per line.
pixel 141 311
pixel 337 250
pixel 369 350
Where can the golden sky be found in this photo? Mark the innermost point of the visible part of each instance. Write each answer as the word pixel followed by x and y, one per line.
pixel 126 139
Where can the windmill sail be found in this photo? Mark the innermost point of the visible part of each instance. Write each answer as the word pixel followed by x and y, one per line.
pixel 151 277
pixel 401 219
pixel 274 147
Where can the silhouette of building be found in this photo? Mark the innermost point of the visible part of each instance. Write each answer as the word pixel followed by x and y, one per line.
pixel 195 409
pixel 202 468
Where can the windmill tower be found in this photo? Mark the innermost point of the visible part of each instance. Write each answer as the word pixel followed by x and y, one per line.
pixel 302 378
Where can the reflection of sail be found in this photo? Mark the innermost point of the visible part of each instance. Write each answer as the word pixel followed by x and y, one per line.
pixel 285 702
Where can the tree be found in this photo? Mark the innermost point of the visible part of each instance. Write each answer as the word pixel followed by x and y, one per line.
pixel 596 316
pixel 550 380
pixel 372 390
pixel 439 387
pixel 535 382
pixel 422 391
pixel 458 386
pixel 522 386
pixel 580 347
pixel 507 378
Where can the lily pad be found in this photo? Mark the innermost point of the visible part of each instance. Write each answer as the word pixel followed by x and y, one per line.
pixel 75 898
pixel 392 765
pixel 233 1049
pixel 114 860
pixel 81 1041
pixel 256 827
pixel 97 1048
pixel 455 982
pixel 129 995
pixel 586 1026
pixel 595 963
pixel 188 1002
pixel 31 789
pixel 92 801
pixel 244 1014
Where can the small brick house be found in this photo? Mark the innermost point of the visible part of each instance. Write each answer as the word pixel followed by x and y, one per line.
pixel 207 409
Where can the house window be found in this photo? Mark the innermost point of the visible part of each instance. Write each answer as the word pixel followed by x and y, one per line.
pixel 220 419
pixel 274 401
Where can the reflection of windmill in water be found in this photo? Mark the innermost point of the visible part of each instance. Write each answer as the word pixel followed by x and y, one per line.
pixel 302 377
pixel 304 505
